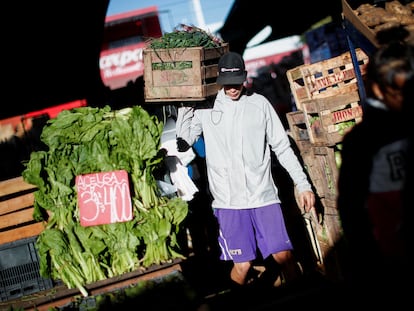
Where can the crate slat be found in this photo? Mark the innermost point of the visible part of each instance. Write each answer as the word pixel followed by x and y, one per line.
pixel 17 203
pixel 26 231
pixel 14 185
pixel 16 218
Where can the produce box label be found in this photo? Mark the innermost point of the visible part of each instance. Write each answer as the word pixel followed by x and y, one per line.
pixel 104 198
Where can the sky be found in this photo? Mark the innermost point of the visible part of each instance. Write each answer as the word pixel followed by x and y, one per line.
pixel 175 12
pixel 214 13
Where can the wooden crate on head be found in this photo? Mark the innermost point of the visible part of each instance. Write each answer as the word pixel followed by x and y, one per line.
pixel 181 74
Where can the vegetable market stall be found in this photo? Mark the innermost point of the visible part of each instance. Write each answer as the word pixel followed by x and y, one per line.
pixel 59 296
pixel 94 258
pixel 103 222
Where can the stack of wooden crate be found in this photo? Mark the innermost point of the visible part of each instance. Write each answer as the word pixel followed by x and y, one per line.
pixel 328 106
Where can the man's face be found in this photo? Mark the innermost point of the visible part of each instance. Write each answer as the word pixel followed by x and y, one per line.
pixel 233 91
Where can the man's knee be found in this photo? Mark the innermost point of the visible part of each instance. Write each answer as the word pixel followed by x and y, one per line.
pixel 239 272
pixel 242 267
pixel 283 257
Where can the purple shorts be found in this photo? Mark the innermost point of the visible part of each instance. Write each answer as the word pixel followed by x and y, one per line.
pixel 242 232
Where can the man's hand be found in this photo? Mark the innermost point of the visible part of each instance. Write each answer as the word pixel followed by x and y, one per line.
pixel 182 145
pixel 307 200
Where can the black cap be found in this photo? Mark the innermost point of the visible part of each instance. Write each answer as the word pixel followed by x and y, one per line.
pixel 231 69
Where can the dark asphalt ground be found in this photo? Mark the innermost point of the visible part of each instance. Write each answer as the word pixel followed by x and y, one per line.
pixel 202 284
pixel 209 279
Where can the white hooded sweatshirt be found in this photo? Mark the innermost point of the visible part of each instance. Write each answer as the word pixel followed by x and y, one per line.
pixel 237 137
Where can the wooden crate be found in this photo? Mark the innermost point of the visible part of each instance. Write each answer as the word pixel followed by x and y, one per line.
pixel 298 130
pixel 330 236
pixel 332 223
pixel 181 74
pixel 329 119
pixel 350 14
pixel 322 168
pixel 16 211
pixel 19 260
pixel 326 78
pixel 297 125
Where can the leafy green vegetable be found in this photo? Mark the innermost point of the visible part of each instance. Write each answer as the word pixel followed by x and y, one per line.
pixel 344 126
pixel 186 36
pixel 89 140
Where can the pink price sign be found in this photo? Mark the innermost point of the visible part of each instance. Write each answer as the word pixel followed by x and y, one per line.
pixel 104 198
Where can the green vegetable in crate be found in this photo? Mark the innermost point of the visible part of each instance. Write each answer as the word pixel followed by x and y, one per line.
pixel 186 36
pixel 344 126
pixel 89 140
pixel 338 155
pixel 314 119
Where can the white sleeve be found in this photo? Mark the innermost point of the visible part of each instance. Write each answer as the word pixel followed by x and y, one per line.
pixel 280 145
pixel 183 123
